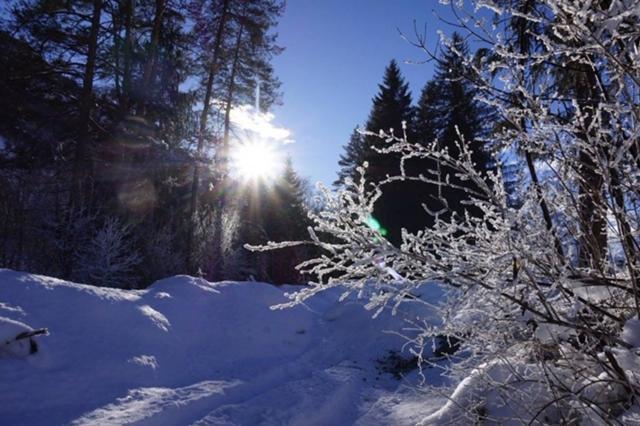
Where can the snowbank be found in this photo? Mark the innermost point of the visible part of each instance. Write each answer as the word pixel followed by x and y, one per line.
pixel 186 351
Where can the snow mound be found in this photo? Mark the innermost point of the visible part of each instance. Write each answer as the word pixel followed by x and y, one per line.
pixel 187 351
pixel 17 340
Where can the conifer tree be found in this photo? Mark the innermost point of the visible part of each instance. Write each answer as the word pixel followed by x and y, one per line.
pixel 426 114
pixel 391 108
pixel 449 111
pixel 240 35
pixel 426 131
pixel 276 211
pixel 351 158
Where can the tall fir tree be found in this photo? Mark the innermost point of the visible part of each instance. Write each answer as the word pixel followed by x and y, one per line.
pixel 351 158
pixel 237 44
pixel 449 112
pixel 391 108
pixel 426 132
pixel 276 211
pixel 426 127
pixel 251 50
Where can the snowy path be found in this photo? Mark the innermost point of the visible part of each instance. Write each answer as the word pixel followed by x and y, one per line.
pixel 187 351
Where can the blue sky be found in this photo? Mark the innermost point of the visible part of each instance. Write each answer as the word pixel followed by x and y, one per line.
pixel 335 55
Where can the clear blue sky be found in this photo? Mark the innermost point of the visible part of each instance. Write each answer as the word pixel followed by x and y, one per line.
pixel 335 55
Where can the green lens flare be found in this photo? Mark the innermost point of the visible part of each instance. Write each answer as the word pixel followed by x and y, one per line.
pixel 373 223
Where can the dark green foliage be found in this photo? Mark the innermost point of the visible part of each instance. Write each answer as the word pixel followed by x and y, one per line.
pixel 449 112
pixel 398 207
pixel 276 212
pixel 391 107
pixel 460 115
pixel 426 124
pixel 33 110
pixel 137 156
pixel 352 158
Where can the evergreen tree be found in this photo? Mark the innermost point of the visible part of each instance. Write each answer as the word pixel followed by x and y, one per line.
pixel 252 48
pixel 351 158
pixel 237 45
pixel 425 127
pixel 391 108
pixel 276 211
pixel 460 115
pixel 449 111
pixel 426 131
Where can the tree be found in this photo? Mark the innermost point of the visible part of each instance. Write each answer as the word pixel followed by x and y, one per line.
pixel 544 339
pixel 243 46
pixel 252 50
pixel 217 18
pixel 277 211
pixel 351 159
pixel 66 33
pixel 109 258
pixel 126 154
pixel 131 147
pixel 391 109
pixel 523 35
pixel 427 131
pixel 448 110
pixel 427 114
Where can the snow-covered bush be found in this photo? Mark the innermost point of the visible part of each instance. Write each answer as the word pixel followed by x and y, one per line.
pixel 109 258
pixel 547 335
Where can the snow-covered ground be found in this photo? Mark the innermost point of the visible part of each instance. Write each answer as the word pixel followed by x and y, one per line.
pixel 186 351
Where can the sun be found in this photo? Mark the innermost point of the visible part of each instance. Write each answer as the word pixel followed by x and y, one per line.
pixel 255 160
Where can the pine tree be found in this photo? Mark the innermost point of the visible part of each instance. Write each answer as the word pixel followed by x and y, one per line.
pixel 67 36
pixel 125 154
pixel 426 131
pixel 276 211
pixel 448 110
pixel 210 28
pixel 251 50
pixel 425 126
pixel 240 36
pixel 460 114
pixel 391 108
pixel 351 158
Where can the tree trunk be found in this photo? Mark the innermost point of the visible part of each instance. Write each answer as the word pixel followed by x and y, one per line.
pixel 115 33
pixel 82 169
pixel 125 101
pixel 592 208
pixel 149 67
pixel 223 162
pixel 82 166
pixel 524 43
pixel 201 135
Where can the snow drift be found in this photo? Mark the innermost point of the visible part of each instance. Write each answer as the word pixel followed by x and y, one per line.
pixel 187 351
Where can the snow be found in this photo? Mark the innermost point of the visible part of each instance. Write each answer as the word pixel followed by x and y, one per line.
pixel 631 332
pixel 9 346
pixel 187 351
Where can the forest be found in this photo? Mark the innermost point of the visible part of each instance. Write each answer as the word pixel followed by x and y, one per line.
pixel 116 142
pixel 475 261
